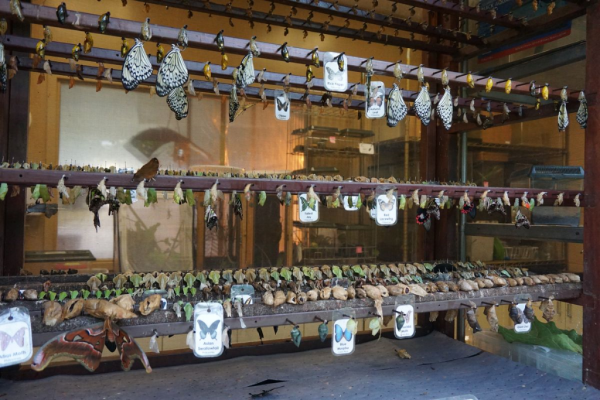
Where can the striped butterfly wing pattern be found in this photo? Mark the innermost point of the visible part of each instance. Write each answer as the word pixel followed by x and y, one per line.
pixel 445 109
pixel 245 74
pixel 136 67
pixel 172 72
pixel 422 106
pixel 396 108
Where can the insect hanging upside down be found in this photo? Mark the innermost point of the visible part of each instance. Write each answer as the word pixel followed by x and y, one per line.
pixel 147 172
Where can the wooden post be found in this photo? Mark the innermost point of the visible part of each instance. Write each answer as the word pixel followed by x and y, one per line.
pixel 591 233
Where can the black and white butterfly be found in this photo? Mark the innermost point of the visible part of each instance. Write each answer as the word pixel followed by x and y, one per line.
pixel 234 104
pixel 433 208
pixel 422 106
pixel 210 218
pixel 493 206
pixel 423 218
pixel 582 112
pixel 206 330
pixel 396 108
pixel 333 73
pixel 445 109
pixel 178 102
pixel 172 72
pixel 282 103
pixel 245 75
pixel 387 205
pixel 136 67
pixel 521 220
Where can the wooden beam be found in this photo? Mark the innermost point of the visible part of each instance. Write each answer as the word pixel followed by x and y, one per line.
pixel 302 24
pixel 591 215
pixel 120 27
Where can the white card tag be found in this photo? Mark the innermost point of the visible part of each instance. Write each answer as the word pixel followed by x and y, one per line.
pixel 366 148
pixel 333 79
pixel 525 326
pixel 282 105
pixel 375 103
pixel 342 341
pixel 387 211
pixel 406 329
pixel 373 213
pixel 307 214
pixel 348 200
pixel 208 330
pixel 133 195
pixel 15 336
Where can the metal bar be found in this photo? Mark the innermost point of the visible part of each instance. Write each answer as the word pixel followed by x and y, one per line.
pixel 120 28
pixel 109 56
pixel 542 232
pixel 31 177
pixel 300 24
pixel 325 309
pixel 463 11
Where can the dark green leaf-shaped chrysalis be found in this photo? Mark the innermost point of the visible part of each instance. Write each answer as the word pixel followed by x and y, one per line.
pixel 400 321
pixel 296 336
pixel 323 331
pixel 61 13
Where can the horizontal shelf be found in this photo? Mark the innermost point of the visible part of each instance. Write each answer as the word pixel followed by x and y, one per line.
pixel 326 131
pixel 29 177
pixel 556 233
pixel 259 315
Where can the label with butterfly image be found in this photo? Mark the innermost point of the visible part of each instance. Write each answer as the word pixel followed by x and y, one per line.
pixel 208 330
pixel 282 105
pixel 524 326
pixel 350 203
pixel 344 331
pixel 335 72
pixel 387 210
pixel 375 100
pixel 404 321
pixel 308 210
pixel 16 345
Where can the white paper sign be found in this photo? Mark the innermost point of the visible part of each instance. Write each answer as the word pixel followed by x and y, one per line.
pixel 387 212
pixel 366 148
pixel 408 329
pixel 524 326
pixel 15 336
pixel 208 330
pixel 335 80
pixel 282 105
pixel 373 213
pixel 348 200
pixel 342 342
pixel 307 214
pixel 375 100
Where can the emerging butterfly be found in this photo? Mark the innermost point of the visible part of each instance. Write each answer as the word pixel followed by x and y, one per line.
pixel 282 104
pixel 18 338
pixel 422 106
pixel 387 205
pixel 206 330
pixel 423 218
pixel 210 218
pixel 521 220
pixel 306 204
pixel 237 206
pixel 445 108
pixel 172 72
pixel 86 345
pixel 136 67
pixel 342 334
pixel 245 75
pixel 396 108
pixel 469 209
pixel 178 102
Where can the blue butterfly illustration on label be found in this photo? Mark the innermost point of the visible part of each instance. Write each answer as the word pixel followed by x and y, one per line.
pixel 205 330
pixel 341 334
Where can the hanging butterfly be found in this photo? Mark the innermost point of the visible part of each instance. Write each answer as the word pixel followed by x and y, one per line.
pixel 423 218
pixel 178 102
pixel 237 206
pixel 245 74
pixel 433 208
pixel 136 67
pixel 469 209
pixel 422 106
pixel 563 117
pixel 582 112
pixel 283 103
pixel 172 72
pixel 210 218
pixel 234 104
pixel 521 220
pixel 396 108
pixel 86 346
pixel 445 108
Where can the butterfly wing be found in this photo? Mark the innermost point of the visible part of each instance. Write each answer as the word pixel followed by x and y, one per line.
pixel 280 104
pixel 83 345
pixel 4 340
pixel 582 114
pixel 19 337
pixel 396 108
pixel 245 74
pixel 348 334
pixel 563 117
pixel 339 333
pixel 333 73
pixel 203 329
pixel 172 72
pixel 178 102
pixel 304 203
pixel 213 330
pixel 136 67
pixel 128 348
pixel 445 109
pixel 422 106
